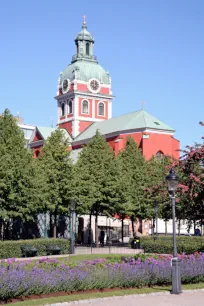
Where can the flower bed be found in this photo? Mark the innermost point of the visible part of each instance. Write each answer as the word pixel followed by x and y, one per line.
pixel 50 275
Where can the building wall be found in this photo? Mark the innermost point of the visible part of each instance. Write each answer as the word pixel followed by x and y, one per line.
pixel 67 126
pixel 165 143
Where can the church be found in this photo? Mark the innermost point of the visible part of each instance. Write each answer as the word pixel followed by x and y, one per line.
pixel 84 105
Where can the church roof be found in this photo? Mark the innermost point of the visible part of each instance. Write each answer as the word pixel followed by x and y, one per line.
pixel 132 121
pixel 45 131
pixel 84 34
pixel 86 70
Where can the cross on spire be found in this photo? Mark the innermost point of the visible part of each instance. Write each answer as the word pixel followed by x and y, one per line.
pixel 84 19
pixel 142 103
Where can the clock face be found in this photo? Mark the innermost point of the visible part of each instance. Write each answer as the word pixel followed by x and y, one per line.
pixel 94 85
pixel 65 85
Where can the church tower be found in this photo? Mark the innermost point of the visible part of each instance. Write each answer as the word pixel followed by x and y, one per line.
pixel 84 88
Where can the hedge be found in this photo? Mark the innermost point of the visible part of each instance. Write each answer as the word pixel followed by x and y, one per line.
pixel 12 249
pixel 164 245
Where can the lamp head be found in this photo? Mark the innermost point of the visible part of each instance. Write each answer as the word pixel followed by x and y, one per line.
pixel 172 180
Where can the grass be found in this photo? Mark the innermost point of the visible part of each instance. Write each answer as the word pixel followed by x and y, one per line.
pixel 75 259
pixel 77 297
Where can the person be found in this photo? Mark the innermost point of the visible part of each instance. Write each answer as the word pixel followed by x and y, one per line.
pixel 102 236
pixel 197 232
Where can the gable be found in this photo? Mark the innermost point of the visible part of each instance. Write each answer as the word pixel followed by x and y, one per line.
pixel 37 136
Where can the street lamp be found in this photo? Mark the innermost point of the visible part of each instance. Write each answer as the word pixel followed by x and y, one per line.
pixel 72 211
pixel 173 180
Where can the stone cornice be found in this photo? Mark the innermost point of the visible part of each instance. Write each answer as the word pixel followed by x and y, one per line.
pixel 36 143
pixel 83 94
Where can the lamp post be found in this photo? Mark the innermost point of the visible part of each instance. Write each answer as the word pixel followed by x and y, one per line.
pixel 173 180
pixel 72 211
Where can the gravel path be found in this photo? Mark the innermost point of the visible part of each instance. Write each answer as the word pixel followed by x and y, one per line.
pixel 187 298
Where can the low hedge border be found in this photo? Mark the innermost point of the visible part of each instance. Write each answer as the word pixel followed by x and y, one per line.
pixel 12 249
pixel 164 245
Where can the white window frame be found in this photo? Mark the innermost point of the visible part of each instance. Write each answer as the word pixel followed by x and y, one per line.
pixel 104 108
pixel 69 113
pixel 82 106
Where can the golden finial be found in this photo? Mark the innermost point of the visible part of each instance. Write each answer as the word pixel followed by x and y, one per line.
pixel 143 103
pixel 84 23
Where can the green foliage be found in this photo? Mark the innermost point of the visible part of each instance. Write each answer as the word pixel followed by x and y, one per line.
pixel 164 245
pixel 19 187
pixel 132 179
pixel 12 249
pixel 95 178
pixel 55 167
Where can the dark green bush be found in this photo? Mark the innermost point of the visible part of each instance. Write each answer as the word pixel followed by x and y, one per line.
pixel 12 249
pixel 164 244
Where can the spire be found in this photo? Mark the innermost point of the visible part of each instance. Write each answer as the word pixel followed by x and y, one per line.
pixel 85 44
pixel 84 23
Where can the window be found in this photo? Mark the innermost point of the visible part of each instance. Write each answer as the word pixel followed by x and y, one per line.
pixel 63 109
pixel 37 153
pixel 101 109
pixel 159 155
pixel 85 107
pixel 70 107
pixel 87 48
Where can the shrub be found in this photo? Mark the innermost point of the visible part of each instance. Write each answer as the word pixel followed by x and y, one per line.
pixel 164 244
pixel 18 279
pixel 10 249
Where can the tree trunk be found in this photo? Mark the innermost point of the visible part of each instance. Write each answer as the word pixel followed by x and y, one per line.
pixel 194 226
pixel 166 228
pixel 179 227
pixel 122 232
pixel 51 225
pixel 2 230
pixel 96 230
pixel 90 231
pixel 201 225
pixel 55 226
pixel 7 230
pixel 133 227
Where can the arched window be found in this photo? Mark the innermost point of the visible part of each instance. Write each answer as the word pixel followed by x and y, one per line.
pixel 85 107
pixel 37 154
pixel 63 109
pixel 87 48
pixel 70 107
pixel 101 109
pixel 159 155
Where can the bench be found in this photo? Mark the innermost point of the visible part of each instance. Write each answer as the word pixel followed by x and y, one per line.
pixel 28 251
pixel 53 250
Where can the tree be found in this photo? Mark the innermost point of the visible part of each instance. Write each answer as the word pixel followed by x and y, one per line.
pixel 56 169
pixel 95 179
pixel 132 181
pixel 191 191
pixel 19 194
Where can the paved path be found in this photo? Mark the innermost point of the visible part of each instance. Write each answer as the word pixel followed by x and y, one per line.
pixel 86 251
pixel 187 298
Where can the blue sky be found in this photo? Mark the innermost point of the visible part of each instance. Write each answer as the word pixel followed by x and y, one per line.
pixel 154 51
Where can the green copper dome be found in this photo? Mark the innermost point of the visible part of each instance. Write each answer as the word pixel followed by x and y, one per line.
pixel 84 34
pixel 84 65
pixel 85 70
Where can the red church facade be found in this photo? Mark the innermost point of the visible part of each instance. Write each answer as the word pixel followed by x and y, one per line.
pixel 84 102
